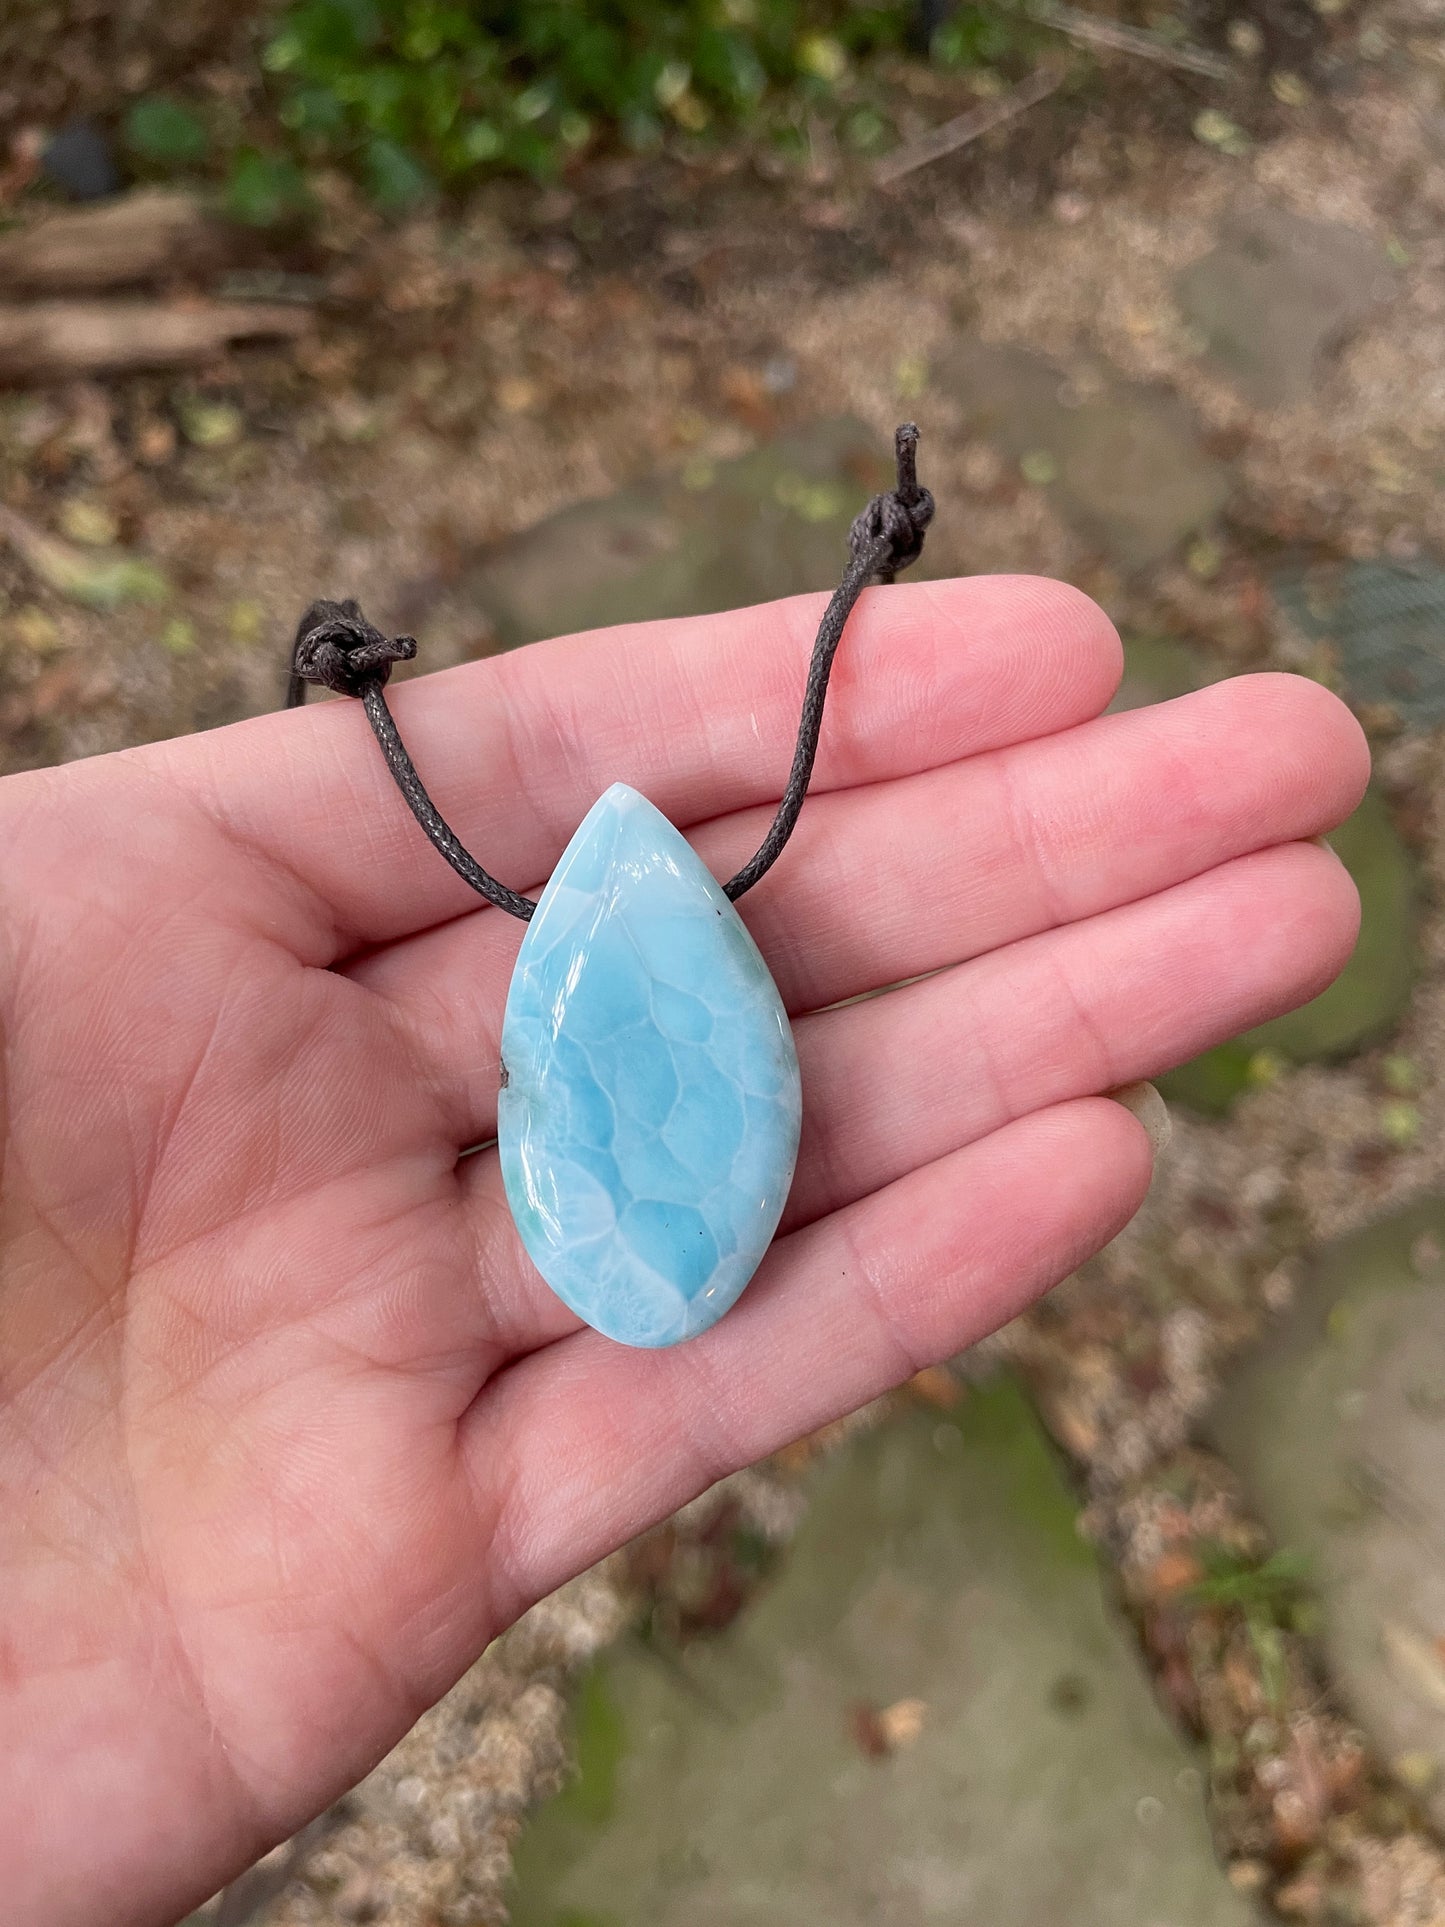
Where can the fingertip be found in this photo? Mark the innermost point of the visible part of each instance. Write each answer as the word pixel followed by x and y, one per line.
pixel 1122 1153
pixel 1065 632
pixel 1041 654
pixel 1309 725
pixel 1328 908
pixel 1101 1163
pixel 1073 625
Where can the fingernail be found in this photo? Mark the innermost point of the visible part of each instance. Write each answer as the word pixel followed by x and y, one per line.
pixel 1145 1103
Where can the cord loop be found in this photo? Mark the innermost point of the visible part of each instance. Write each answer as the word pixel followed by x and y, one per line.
pixel 339 649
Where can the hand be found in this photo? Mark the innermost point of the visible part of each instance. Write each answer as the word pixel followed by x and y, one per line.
pixel 289 1427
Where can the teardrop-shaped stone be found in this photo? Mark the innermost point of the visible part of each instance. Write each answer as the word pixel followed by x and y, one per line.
pixel 650 1105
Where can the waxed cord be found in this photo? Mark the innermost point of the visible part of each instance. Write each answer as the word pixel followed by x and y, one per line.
pixel 337 648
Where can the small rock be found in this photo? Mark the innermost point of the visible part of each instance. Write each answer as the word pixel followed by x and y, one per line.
pixel 58 688
pixel 79 161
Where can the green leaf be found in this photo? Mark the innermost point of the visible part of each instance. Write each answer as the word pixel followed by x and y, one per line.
pixel 264 189
pixel 414 94
pixel 163 131
pixel 396 179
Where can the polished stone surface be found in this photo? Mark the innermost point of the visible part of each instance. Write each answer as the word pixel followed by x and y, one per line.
pixel 650 1107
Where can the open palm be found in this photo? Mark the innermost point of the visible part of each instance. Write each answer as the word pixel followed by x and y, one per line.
pixel 289 1427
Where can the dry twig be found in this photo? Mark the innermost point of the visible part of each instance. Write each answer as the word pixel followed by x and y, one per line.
pixel 968 127
pixel 1097 32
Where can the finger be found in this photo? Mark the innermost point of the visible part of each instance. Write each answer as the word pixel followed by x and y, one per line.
pixel 699 715
pixel 900 1081
pixel 905 877
pixel 591 1442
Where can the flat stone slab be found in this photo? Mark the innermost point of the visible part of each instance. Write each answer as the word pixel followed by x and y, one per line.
pixel 1337 1426
pixel 706 537
pixel 1122 462
pixel 1279 295
pixel 1385 622
pixel 938 1593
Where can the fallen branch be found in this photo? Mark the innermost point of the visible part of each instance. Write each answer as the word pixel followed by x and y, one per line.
pixel 958 132
pixel 152 236
pixel 1094 31
pixel 56 340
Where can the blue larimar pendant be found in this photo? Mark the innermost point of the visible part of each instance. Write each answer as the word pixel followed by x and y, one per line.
pixel 650 1105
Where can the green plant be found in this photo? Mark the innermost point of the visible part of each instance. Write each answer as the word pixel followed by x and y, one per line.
pixel 161 130
pixel 1271 1597
pixel 264 189
pixel 1269 1588
pixel 416 94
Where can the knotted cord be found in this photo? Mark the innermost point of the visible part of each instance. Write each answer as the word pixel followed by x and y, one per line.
pixel 337 648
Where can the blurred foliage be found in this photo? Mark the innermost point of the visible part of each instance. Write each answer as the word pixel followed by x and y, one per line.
pixel 413 96
pixel 1271 1588
pixel 1272 1596
pixel 164 131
